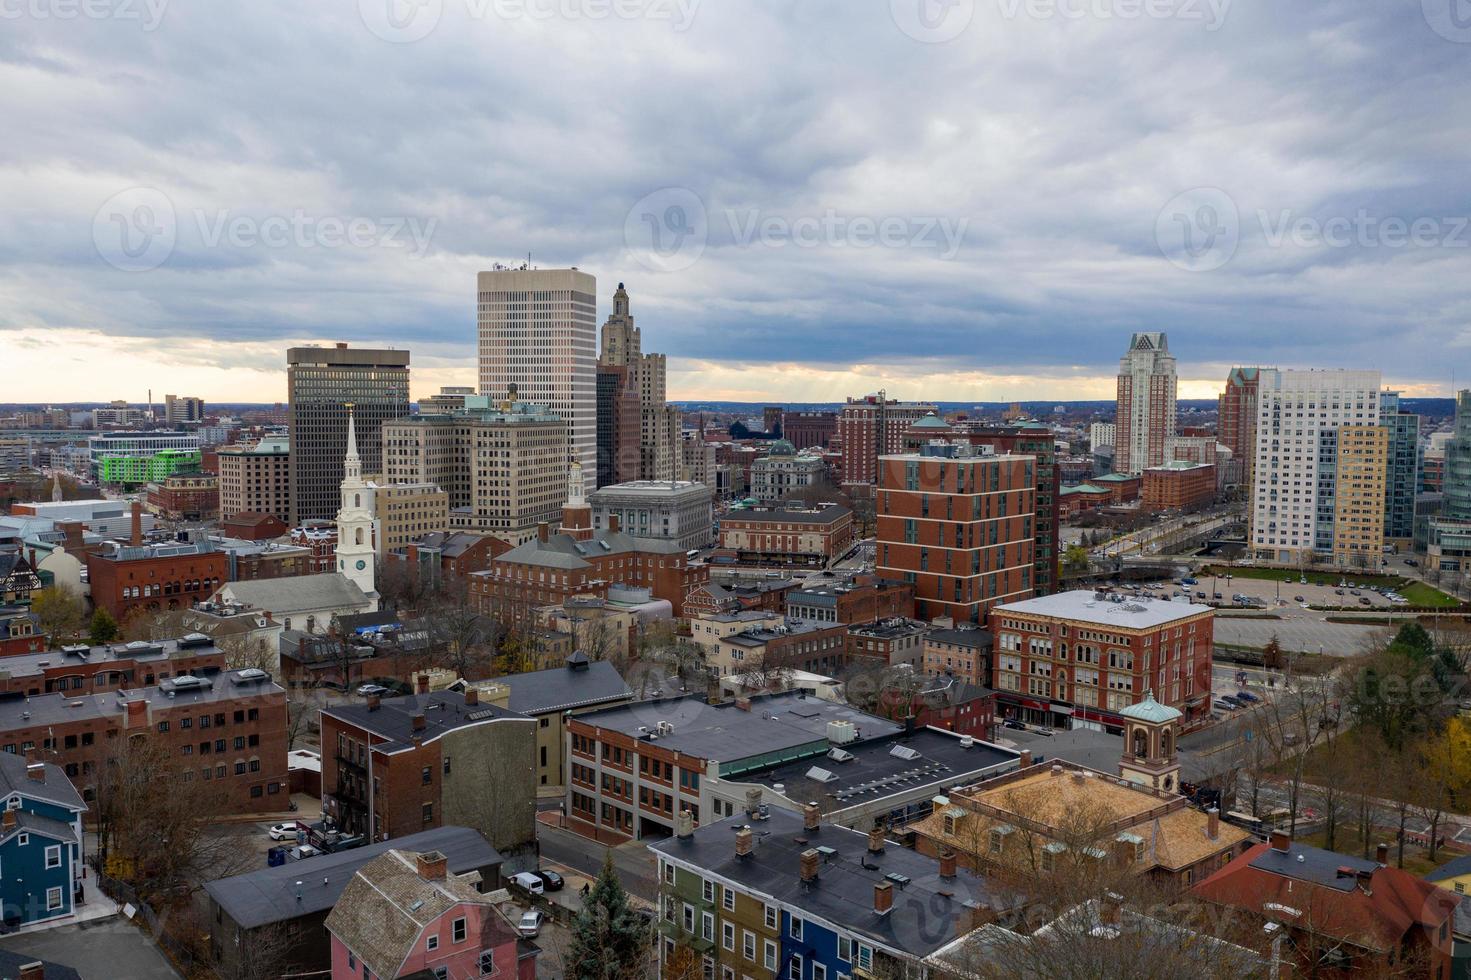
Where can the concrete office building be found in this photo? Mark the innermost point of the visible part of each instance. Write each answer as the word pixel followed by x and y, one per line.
pixel 450 399
pixel 1102 434
pixel 321 382
pixel 503 465
pixel 1301 417
pixel 1145 412
pixel 784 472
pixel 405 512
pixel 670 511
pixel 537 331
pixel 256 478
pixel 178 409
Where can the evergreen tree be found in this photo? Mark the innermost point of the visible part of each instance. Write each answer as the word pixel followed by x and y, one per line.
pixel 103 628
pixel 610 940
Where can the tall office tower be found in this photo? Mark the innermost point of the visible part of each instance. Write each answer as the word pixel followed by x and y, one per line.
pixel 1448 536
pixel 538 331
pixel 1145 415
pixel 321 382
pixel 182 408
pixel 1359 496
pixel 658 433
pixel 619 424
pixel 1036 440
pixel 1403 472
pixel 1301 419
pixel 956 521
pixel 871 427
pixel 1236 429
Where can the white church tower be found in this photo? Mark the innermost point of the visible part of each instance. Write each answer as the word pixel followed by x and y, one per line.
pixel 356 549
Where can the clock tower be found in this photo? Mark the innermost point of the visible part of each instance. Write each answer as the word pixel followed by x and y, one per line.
pixel 356 529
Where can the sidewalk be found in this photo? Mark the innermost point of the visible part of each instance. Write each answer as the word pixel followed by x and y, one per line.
pixel 98 907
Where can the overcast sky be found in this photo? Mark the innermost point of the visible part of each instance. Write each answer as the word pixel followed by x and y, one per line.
pixel 954 199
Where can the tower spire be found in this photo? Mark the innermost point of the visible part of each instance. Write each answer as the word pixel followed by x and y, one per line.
pixel 352 464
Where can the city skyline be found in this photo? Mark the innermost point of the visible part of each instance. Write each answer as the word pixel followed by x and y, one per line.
pixel 960 226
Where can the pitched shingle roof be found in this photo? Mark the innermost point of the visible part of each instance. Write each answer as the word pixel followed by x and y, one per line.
pixel 298 594
pixel 55 788
pixel 564 688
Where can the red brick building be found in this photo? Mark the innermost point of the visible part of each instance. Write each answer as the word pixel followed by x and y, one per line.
pixel 709 598
pixel 861 599
pixel 871 427
pixel 961 653
pixel 958 527
pixel 19 632
pixel 154 577
pixel 321 538
pixel 805 429
pixel 81 669
pixel 229 729
pixel 886 642
pixel 186 497
pixel 1073 654
pixel 251 525
pixel 1179 485
pixel 790 534
pixel 1237 415
pixel 396 766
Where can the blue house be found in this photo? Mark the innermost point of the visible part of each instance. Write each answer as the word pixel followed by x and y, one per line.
pixel 40 841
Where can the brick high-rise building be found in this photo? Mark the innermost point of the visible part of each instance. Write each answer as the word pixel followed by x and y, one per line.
pixel 537 331
pixel 256 479
pixel 321 383
pixel 804 429
pixel 1145 414
pixel 959 525
pixel 658 428
pixel 1036 440
pixel 1358 498
pixel 871 427
pixel 1237 411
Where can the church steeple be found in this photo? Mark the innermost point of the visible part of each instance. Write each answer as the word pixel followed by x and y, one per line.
pixel 576 512
pixel 357 528
pixel 352 464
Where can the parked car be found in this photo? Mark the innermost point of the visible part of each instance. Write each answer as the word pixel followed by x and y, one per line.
pixel 550 880
pixel 528 881
pixel 282 831
pixel 1216 596
pixel 1224 705
pixel 370 690
pixel 1354 592
pixel 1200 595
pixel 1298 598
pixel 1364 601
pixel 530 925
pixel 1412 563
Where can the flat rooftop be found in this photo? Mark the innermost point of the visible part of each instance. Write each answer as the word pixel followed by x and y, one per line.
pixel 725 733
pixel 889 628
pixel 1081 605
pixel 146 651
pixel 648 488
pixel 876 771
pixel 20 712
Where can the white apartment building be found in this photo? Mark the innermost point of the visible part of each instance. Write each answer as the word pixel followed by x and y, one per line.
pixel 538 331
pixel 1299 418
pixel 1145 412
pixel 1101 434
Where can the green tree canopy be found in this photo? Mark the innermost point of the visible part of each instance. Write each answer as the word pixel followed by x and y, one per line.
pixel 610 940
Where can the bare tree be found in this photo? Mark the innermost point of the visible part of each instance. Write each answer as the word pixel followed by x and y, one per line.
pixel 1292 723
pixel 463 639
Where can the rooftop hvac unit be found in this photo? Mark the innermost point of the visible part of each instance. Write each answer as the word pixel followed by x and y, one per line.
pixel 840 755
pixel 841 732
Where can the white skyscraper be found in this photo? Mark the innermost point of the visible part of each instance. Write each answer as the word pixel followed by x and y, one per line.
pixel 538 331
pixel 1301 416
pixel 1145 413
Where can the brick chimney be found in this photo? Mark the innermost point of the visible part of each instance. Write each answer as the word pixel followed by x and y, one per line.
pixel 137 713
pixel 743 704
pixel 1123 852
pixel 809 861
pixel 613 524
pixel 684 825
pixel 472 696
pixel 33 971
pixel 543 532
pixel 431 865
pixel 811 818
pixel 72 539
pixel 1381 853
pixel 36 771
pixel 423 682
pixel 136 538
pixel 374 702
pixel 9 820
pixel 420 723
pixel 744 842
pixel 876 840
pixel 1280 841
pixel 1109 907
pixel 883 897
pixel 1213 823
pixel 947 864
pixel 1026 760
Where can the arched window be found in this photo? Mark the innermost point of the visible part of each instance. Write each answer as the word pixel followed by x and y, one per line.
pixel 359 535
pixel 1167 743
pixel 357 500
pixel 1141 742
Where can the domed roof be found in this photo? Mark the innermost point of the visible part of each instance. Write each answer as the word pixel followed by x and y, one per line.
pixel 1150 710
pixel 781 447
pixel 932 421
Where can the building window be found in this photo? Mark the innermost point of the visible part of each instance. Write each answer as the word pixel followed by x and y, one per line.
pixel 487 962
pixel 794 967
pixel 432 943
pixel 727 935
pixel 727 900
pixel 427 813
pixel 771 917
pixel 53 899
pixel 457 930
pixel 770 956
pixel 796 928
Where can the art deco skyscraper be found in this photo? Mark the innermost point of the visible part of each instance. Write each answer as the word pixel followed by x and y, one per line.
pixel 658 429
pixel 1145 414
pixel 538 331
